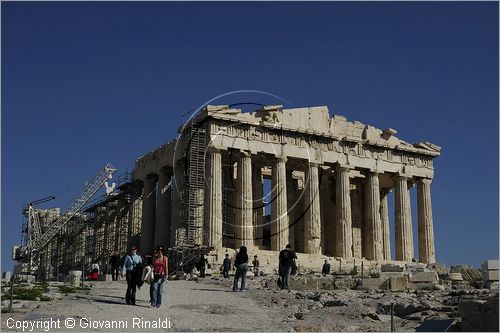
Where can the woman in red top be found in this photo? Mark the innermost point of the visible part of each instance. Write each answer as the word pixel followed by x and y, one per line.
pixel 94 273
pixel 160 275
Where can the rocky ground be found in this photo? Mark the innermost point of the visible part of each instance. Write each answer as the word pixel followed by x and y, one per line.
pixel 210 305
pixel 357 310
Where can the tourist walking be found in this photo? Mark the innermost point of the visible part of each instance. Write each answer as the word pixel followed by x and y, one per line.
pixel 201 265
pixel 326 268
pixel 286 261
pixel 132 262
pixel 241 265
pixel 114 263
pixel 226 266
pixel 255 264
pixel 160 275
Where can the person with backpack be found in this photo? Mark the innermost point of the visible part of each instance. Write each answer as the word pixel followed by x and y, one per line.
pixel 160 275
pixel 132 265
pixel 286 262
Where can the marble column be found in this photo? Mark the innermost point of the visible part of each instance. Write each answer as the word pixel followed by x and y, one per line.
pixel 373 226
pixel 343 220
pixel 244 203
pixel 403 227
pixel 384 218
pixel 148 215
pixel 291 191
pixel 213 199
pixel 162 227
pixel 258 204
pixel 312 227
pixel 279 214
pixel 134 216
pixel 426 251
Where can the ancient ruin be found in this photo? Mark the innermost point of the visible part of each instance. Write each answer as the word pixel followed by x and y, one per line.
pixel 329 184
pixel 328 181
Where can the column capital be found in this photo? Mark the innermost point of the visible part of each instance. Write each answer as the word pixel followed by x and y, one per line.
pixel 426 181
pixel 280 158
pixel 371 172
pixel 344 167
pixel 403 172
pixel 216 146
pixel 212 149
pixel 314 163
pixel 401 176
pixel 245 153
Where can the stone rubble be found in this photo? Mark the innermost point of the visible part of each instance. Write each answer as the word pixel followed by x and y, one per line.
pixel 347 306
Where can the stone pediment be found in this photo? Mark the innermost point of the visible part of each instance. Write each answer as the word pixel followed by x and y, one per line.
pixel 316 121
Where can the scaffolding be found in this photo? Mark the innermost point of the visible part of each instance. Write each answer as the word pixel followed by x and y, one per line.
pixel 87 237
pixel 195 185
pixel 183 259
pixel 109 228
pixel 75 206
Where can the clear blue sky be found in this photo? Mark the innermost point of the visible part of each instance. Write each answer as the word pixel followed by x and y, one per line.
pixel 88 83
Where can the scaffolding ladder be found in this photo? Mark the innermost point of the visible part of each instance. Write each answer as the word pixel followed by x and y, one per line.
pixel 196 184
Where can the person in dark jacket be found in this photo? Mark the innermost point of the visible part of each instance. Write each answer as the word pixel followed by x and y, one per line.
pixel 114 263
pixel 241 265
pixel 226 266
pixel 286 261
pixel 326 268
pixel 132 261
pixel 201 265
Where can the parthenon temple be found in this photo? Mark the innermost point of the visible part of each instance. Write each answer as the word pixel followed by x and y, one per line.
pixel 330 180
pixel 273 177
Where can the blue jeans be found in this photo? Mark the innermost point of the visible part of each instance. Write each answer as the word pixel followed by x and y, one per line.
pixel 241 271
pixel 284 272
pixel 155 291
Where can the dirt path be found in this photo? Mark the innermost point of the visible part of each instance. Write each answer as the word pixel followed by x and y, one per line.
pixel 187 306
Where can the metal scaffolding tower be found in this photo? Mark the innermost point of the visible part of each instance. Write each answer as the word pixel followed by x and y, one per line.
pixel 196 184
